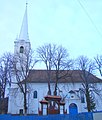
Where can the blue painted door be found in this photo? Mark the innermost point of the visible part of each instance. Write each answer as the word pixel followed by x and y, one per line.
pixel 73 108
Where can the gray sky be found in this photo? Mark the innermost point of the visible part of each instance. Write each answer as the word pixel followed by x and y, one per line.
pixel 63 22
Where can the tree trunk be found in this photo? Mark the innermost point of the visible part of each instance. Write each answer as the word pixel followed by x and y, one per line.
pixel 25 100
pixel 88 100
pixel 55 90
pixel 56 82
pixel 49 79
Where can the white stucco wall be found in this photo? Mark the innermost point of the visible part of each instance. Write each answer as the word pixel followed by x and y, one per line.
pixel 16 98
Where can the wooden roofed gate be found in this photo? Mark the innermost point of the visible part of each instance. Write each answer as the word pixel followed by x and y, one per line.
pixel 52 105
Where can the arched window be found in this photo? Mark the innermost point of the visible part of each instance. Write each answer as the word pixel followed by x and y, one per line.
pixel 21 49
pixel 82 97
pixel 35 94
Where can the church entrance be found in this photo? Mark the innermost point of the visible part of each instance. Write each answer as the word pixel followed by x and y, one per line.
pixel 73 108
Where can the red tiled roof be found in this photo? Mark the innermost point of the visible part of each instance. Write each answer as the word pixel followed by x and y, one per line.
pixel 44 102
pixel 50 97
pixel 62 103
pixel 66 76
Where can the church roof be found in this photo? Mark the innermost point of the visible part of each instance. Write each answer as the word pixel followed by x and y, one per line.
pixel 66 76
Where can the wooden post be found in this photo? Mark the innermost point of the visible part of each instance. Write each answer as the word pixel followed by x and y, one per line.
pixel 41 109
pixel 58 108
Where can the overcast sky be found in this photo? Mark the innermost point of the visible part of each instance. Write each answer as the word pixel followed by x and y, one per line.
pixel 63 22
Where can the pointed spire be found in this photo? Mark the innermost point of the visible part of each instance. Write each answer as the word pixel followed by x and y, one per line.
pixel 24 28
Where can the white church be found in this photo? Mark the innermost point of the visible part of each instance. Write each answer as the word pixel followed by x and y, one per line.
pixel 37 87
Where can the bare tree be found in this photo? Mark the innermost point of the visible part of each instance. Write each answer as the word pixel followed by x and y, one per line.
pixel 62 65
pixel 55 58
pixel 87 67
pixel 98 61
pixel 46 54
pixel 22 64
pixel 5 73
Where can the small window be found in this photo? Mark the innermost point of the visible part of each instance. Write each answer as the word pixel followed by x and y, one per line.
pixel 21 49
pixel 82 99
pixel 21 111
pixel 82 96
pixel 72 96
pixel 35 94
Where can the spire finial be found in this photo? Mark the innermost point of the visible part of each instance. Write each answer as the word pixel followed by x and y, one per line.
pixel 26 3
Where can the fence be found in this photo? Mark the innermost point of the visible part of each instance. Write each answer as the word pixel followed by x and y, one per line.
pixel 81 116
pixel 97 115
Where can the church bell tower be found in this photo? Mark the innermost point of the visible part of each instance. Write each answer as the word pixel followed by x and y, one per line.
pixel 22 43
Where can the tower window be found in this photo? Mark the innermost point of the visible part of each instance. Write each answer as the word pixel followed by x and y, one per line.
pixel 35 94
pixel 21 49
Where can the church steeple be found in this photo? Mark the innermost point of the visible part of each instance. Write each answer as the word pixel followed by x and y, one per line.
pixel 24 28
pixel 22 47
pixel 22 43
